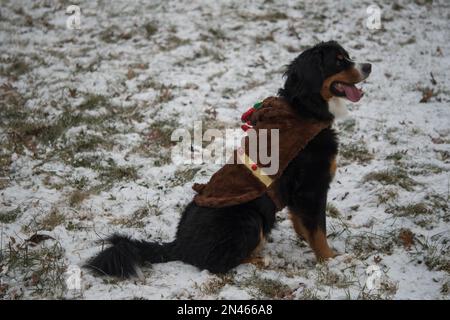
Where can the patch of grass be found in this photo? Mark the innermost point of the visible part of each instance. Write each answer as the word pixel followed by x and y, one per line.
pixel 51 220
pixel 332 279
pixel 365 244
pixel 77 197
pixel 93 162
pixel 135 220
pixel 217 34
pixel 426 169
pixel 214 285
pixel 73 153
pixel 79 183
pixel 264 288
pixel 308 294
pixel 266 38
pixel 387 289
pixel 398 177
pixel 28 128
pixel 391 135
pixel 5 163
pixel 150 29
pixel 172 42
pixel 410 210
pixel 387 196
pixel 272 16
pixel 111 34
pixel 17 68
pixel 93 101
pixel 347 125
pixel 114 173
pixel 157 140
pixel 161 131
pixel 332 211
pixel 9 216
pixel 165 94
pixel 434 252
pixel 182 176
pixel 397 156
pixel 355 152
pixel 445 289
pixel 42 268
pixel 214 54
pixel 439 203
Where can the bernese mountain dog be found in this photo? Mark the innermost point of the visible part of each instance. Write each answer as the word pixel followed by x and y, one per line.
pixel 219 239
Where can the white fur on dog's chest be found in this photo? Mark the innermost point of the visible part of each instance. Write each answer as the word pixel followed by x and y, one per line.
pixel 338 107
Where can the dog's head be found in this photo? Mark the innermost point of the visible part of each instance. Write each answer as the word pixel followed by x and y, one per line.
pixel 320 75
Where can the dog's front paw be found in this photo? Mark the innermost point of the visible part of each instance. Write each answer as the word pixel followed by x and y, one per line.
pixel 325 255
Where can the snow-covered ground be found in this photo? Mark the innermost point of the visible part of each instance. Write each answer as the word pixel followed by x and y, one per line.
pixel 85 123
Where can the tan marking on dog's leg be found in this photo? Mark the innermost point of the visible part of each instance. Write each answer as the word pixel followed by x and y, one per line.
pixel 333 167
pixel 257 261
pixel 298 226
pixel 319 243
pixel 254 258
pixel 316 239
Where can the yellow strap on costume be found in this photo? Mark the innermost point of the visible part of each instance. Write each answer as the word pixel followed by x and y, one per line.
pixel 253 167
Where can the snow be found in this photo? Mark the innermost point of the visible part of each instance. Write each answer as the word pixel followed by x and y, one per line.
pixel 224 56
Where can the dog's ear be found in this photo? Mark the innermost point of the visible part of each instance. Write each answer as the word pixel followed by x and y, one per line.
pixel 313 71
pixel 304 75
pixel 304 79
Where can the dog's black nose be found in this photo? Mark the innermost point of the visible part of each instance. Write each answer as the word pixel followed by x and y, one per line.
pixel 366 68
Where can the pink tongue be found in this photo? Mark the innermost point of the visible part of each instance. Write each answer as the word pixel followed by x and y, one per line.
pixel 353 94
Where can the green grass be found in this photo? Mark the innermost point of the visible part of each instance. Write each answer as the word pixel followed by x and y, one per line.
pixel 386 196
pixel 217 33
pixel 355 152
pixel 264 288
pixel 333 211
pixel 17 67
pixel 214 285
pixel 150 29
pixel 271 16
pixel 182 176
pixel 93 101
pixel 366 244
pixel 136 219
pixel 347 125
pixel 332 279
pixel 397 156
pixel 10 215
pixel 5 163
pixel 410 210
pixel 115 173
pixel 398 177
pixel 41 269
pixel 172 42
pixel 435 253
pixel 77 197
pixel 156 141
pixel 51 220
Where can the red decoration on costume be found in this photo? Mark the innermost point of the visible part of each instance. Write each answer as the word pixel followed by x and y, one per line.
pixel 247 114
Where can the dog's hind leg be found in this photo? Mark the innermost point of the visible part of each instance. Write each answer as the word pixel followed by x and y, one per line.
pixel 315 236
pixel 255 258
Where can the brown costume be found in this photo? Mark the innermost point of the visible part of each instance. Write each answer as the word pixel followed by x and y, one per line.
pixel 237 183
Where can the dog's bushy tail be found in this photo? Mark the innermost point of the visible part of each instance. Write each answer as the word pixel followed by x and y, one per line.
pixel 123 258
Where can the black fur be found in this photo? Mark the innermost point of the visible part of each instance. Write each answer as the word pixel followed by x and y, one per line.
pixel 220 239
